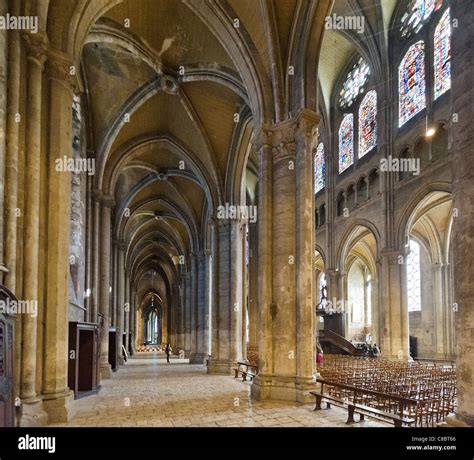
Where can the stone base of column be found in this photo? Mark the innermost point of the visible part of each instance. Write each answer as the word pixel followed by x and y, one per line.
pixel 283 388
pixel 220 367
pixel 105 371
pixel 197 358
pixel 60 407
pixel 32 413
pixel 121 361
pixel 458 421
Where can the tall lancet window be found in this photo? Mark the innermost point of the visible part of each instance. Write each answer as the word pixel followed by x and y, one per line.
pixel 411 83
pixel 346 142
pixel 414 277
pixel 319 169
pixel 368 123
pixel 442 55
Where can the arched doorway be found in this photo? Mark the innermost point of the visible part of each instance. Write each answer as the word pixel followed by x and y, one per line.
pixel 428 289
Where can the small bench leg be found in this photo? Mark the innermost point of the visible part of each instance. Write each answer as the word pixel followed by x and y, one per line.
pixel 318 402
pixel 362 417
pixel 236 371
pixel 350 414
pixel 328 405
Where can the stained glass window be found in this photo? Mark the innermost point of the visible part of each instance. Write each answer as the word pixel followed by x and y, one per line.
pixel 414 277
pixel 442 55
pixel 322 287
pixel 346 142
pixel 417 14
pixel 319 169
pixel 368 123
pixel 411 83
pixel 354 83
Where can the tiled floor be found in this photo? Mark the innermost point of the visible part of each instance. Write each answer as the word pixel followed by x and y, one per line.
pixel 146 392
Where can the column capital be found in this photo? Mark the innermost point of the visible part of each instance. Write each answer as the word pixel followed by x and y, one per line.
pixel 262 138
pixel 106 201
pixel 60 67
pixel 392 256
pixel 36 48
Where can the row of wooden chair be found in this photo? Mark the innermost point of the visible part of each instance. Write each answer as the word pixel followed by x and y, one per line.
pixel 432 385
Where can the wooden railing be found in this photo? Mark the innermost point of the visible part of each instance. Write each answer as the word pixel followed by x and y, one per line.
pixel 339 341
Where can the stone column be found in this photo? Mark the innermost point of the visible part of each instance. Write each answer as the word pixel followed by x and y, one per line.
pixel 127 309
pixel 253 286
pixel 133 318
pixel 57 398
pixel 201 314
pixel 265 308
pixel 375 329
pixel 438 311
pixel 394 310
pixel 32 413
pixel 120 305
pixel 462 95
pixel 3 123
pixel 227 308
pixel 12 160
pixel 187 315
pixel 106 203
pixel 287 320
pixel 193 298
pixel 11 183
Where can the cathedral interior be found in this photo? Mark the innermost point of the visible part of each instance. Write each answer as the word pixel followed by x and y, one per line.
pixel 220 212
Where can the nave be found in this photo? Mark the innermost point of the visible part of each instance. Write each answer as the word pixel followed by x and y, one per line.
pixel 145 393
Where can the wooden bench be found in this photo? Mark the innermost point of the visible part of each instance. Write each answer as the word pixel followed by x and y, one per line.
pixel 398 418
pixel 246 370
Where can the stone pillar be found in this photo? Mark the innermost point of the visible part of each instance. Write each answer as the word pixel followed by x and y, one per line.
pixel 201 314
pixel 12 160
pixel 120 304
pixel 106 203
pixel 57 398
pixel 32 413
pixel 11 183
pixel 462 95
pixel 253 286
pixel 287 308
pixel 375 326
pixel 127 309
pixel 3 123
pixel 227 308
pixel 187 314
pixel 394 309
pixel 133 317
pixel 438 311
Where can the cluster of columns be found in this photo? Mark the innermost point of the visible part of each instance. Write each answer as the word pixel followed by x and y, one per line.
pixel 284 292
pixel 37 222
pixel 112 296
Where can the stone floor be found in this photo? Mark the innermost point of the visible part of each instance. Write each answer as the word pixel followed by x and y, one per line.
pixel 147 392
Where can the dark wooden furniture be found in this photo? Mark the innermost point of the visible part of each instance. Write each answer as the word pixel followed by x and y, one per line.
pixel 83 366
pixel 245 370
pixel 7 330
pixel 113 348
pixel 357 400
